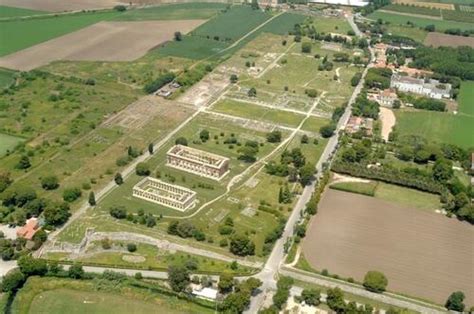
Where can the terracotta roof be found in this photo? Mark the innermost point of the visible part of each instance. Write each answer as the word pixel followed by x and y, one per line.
pixel 29 229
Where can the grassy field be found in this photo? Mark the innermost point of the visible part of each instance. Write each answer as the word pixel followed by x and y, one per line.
pixel 466 98
pixel 233 24
pixel 440 25
pixel 282 24
pixel 6 11
pixel 356 187
pixel 331 25
pixel 8 142
pixel 55 296
pixel 21 34
pixel 313 124
pixel 415 33
pixel 6 78
pixel 437 126
pixel 259 113
pixel 184 11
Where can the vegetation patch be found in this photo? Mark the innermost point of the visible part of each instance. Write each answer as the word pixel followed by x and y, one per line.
pixel 6 11
pixel 8 143
pixel 182 11
pixel 364 188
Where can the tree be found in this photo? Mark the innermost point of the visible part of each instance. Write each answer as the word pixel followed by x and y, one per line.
pixel 92 201
pixel 306 174
pixel 71 194
pixel 13 280
pixel 32 266
pixel 311 296
pixel 23 163
pixel 49 183
pixel 235 302
pixel 396 104
pixel 5 181
pixel 150 148
pixel 306 47
pixel 142 169
pixel 327 130
pixel 56 214
pixel 455 302
pixel 131 247
pixel 241 245
pixel 255 5
pixel 76 271
pixel 178 36
pixel 304 139
pixel 248 153
pixel 252 92
pixel 181 141
pixel 226 283
pixel 234 78
pixel 118 212
pixel 335 300
pixel 204 135
pixel 39 238
pixel 442 170
pixel 118 178
pixel 274 137
pixel 120 8
pixel 178 277
pixel 375 281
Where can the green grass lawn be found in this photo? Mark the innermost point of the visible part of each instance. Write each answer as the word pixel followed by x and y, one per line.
pixel 331 25
pixel 20 34
pixel 8 142
pixel 437 126
pixel 184 11
pixel 356 187
pixel 259 113
pixel 313 124
pixel 233 24
pixel 6 78
pixel 440 25
pixel 6 11
pixel 192 47
pixel 57 296
pixel 466 98
pixel 415 33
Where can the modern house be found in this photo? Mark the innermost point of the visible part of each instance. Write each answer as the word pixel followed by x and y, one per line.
pixel 426 87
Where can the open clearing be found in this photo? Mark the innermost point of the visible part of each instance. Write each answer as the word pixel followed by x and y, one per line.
pixel 63 5
pixel 388 121
pixel 422 254
pixel 8 142
pixel 438 40
pixel 100 42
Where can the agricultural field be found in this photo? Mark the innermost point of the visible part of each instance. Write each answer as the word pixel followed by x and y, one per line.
pixel 182 11
pixel 441 25
pixel 331 25
pixel 466 98
pixel 8 142
pixel 6 11
pixel 20 34
pixel 412 10
pixel 191 47
pixel 61 6
pixel 233 24
pixel 100 42
pixel 55 296
pixel 438 40
pixel 359 233
pixel 414 33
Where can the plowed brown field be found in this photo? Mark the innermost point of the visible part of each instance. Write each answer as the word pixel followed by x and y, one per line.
pixel 438 39
pixel 104 41
pixel 423 254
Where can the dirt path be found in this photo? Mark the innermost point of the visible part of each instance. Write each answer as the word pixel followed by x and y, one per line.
pixel 388 121
pixel 339 178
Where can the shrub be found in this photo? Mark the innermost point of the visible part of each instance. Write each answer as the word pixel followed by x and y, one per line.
pixel 71 194
pixel 131 247
pixel 142 169
pixel 375 281
pixel 49 183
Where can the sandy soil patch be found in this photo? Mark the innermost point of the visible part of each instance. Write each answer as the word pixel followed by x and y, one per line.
pixel 388 121
pixel 340 178
pixel 62 5
pixel 422 254
pixel 104 41
pixel 438 39
pixel 133 258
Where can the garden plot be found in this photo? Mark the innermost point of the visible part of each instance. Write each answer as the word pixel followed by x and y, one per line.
pixel 104 41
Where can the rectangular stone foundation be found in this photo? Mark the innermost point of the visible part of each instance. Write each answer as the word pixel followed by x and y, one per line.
pixel 166 194
pixel 197 162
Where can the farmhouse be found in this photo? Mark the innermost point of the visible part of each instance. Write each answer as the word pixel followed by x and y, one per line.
pixel 386 98
pixel 198 162
pixel 169 195
pixel 429 87
pixel 356 124
pixel 29 229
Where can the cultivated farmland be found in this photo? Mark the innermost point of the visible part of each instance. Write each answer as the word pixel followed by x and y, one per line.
pixel 422 254
pixel 438 40
pixel 100 42
pixel 58 6
pixel 6 11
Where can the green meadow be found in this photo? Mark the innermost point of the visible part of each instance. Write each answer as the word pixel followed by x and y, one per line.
pixel 6 11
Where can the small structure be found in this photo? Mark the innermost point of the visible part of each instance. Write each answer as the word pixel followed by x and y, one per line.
pixel 206 293
pixel 386 98
pixel 429 87
pixel 168 90
pixel 166 194
pixel 198 162
pixel 29 229
pixel 356 124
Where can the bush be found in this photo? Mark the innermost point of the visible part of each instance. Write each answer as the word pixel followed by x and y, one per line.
pixel 71 194
pixel 49 183
pixel 142 169
pixel 159 83
pixel 76 271
pixel 327 131
pixel 375 281
pixel 455 302
pixel 118 212
pixel 131 247
pixel 306 47
pixel 13 280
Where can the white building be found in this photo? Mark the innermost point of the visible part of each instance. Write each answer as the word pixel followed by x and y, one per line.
pixel 431 88
pixel 206 293
pixel 353 3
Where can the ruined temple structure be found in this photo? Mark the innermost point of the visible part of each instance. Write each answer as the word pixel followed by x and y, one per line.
pixel 166 194
pixel 198 162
